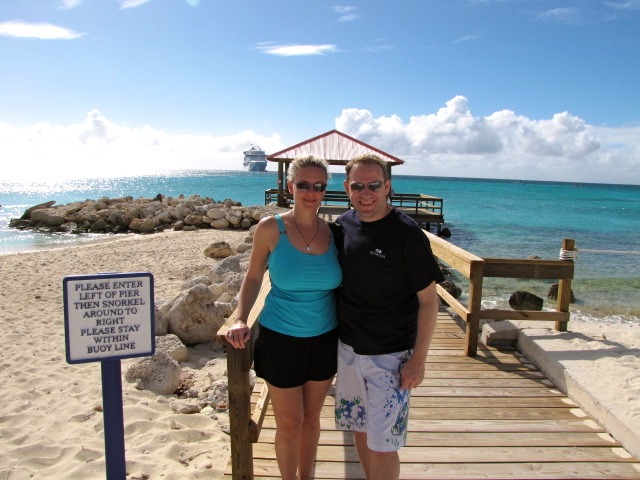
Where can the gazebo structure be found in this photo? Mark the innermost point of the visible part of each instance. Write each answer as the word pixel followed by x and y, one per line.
pixel 338 148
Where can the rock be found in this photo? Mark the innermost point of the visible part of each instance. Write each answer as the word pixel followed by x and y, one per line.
pixel 172 346
pixel 218 250
pixel 47 216
pixel 120 218
pixel 229 264
pixel 161 322
pixel 244 247
pixel 144 225
pixel 193 219
pixel 445 233
pixel 221 224
pixel 186 407
pixel 521 300
pixel 230 284
pixel 553 293
pixel 451 288
pixel 193 316
pixel 192 282
pixel 27 213
pixel 141 215
pixel 159 373
pixel 216 213
pixel 234 217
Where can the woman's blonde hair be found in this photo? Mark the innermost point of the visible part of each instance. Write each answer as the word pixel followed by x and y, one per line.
pixel 308 161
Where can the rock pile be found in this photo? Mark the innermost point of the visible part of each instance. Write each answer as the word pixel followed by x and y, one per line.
pixel 141 215
pixel 189 366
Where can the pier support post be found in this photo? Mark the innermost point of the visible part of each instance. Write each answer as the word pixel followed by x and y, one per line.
pixel 564 287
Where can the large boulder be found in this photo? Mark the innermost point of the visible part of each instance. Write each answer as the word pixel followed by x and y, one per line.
pixel 159 373
pixel 521 300
pixel 144 225
pixel 172 346
pixel 218 250
pixel 193 316
pixel 47 216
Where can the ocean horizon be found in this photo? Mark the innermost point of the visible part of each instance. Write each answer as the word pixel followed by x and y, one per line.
pixel 487 217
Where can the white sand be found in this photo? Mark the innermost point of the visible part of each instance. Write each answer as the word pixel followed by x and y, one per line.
pixel 49 426
pixel 596 365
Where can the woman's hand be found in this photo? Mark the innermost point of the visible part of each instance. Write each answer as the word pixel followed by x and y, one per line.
pixel 238 334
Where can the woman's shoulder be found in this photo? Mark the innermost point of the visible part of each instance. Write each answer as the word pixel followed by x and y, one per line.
pixel 267 229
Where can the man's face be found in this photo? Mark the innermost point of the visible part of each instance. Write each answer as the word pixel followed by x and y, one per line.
pixel 370 202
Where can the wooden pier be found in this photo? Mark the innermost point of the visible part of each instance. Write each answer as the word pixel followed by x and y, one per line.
pixel 480 412
pixel 490 416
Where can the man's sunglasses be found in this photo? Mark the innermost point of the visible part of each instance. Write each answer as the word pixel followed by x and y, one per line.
pixel 306 186
pixel 359 187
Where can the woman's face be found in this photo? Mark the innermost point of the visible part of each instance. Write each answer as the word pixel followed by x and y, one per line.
pixel 308 186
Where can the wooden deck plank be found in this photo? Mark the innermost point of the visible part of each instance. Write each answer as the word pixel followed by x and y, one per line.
pixel 493 416
pixel 477 440
pixel 267 469
pixel 437 454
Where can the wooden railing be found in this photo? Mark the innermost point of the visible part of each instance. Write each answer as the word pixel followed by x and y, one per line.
pixel 476 269
pixel 245 425
pixel 415 201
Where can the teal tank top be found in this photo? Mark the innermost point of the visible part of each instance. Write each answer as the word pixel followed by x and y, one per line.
pixel 301 302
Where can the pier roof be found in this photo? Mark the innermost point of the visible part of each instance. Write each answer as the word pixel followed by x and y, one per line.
pixel 335 147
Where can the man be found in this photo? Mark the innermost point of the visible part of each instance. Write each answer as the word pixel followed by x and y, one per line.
pixel 387 310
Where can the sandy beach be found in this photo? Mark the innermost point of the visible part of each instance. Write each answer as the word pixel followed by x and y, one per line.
pixel 51 423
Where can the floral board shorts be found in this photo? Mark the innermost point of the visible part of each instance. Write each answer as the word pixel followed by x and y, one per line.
pixel 369 398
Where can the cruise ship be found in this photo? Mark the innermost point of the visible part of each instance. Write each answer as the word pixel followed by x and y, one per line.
pixel 255 159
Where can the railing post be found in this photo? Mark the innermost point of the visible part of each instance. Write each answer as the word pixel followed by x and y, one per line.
pixel 475 304
pixel 238 366
pixel 564 287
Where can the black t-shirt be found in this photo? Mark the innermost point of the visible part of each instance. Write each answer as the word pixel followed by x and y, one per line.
pixel 384 264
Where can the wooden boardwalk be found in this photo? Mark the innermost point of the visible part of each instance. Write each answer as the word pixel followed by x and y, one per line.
pixel 494 416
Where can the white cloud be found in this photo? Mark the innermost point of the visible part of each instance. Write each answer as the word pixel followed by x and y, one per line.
pixel 453 142
pixel 630 5
pixel 68 4
pixel 567 15
pixel 126 4
pixel 450 142
pixel 347 13
pixel 344 9
pixel 42 31
pixel 348 18
pixel 297 50
pixel 466 38
pixel 97 147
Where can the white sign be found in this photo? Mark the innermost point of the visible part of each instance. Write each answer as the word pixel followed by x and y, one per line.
pixel 108 316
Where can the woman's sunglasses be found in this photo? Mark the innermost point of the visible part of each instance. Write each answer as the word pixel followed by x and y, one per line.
pixel 359 187
pixel 306 186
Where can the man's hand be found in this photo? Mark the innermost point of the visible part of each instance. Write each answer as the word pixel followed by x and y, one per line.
pixel 412 373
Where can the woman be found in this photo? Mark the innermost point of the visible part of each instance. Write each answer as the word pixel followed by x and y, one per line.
pixel 296 349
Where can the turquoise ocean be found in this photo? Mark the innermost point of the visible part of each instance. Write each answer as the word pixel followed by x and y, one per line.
pixel 492 218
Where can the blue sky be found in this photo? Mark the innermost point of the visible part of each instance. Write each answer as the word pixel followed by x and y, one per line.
pixel 522 89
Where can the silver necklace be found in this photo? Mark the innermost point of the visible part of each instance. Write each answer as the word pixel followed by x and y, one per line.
pixel 300 232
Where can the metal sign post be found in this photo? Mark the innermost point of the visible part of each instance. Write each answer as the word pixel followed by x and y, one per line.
pixel 108 317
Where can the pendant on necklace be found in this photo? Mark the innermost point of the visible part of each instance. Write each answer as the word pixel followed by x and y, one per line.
pixel 308 248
